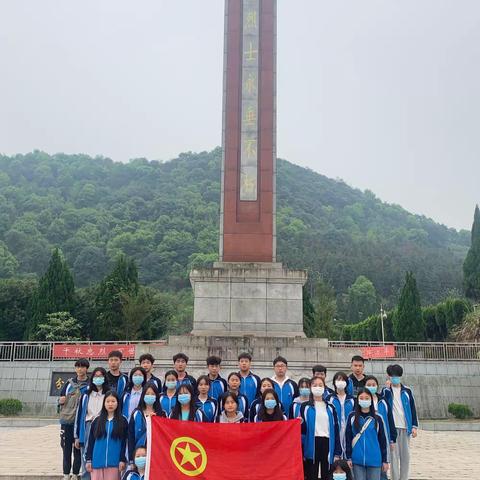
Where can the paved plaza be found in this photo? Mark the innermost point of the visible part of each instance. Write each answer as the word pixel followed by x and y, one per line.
pixel 35 453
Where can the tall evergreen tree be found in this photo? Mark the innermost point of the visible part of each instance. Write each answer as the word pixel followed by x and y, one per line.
pixel 408 323
pixel 308 314
pixel 471 266
pixel 120 282
pixel 55 293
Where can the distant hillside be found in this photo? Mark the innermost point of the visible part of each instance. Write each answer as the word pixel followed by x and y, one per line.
pixel 165 215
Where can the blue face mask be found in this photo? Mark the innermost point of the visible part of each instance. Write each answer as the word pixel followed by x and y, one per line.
pixel 137 379
pixel 272 403
pixel 140 462
pixel 171 385
pixel 304 392
pixel 149 399
pixel 365 403
pixel 372 390
pixel 184 398
pixel 395 380
pixel 340 476
pixel 98 381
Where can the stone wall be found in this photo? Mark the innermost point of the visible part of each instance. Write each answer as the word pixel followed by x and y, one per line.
pixel 435 384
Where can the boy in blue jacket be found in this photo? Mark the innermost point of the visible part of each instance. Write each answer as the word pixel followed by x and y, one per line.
pixel 249 382
pixel 402 403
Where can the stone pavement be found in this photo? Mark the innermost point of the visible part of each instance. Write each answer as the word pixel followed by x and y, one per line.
pixel 29 453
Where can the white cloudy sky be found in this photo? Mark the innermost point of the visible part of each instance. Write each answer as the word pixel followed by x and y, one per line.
pixel 382 93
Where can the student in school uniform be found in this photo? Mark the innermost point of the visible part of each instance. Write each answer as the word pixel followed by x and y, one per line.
pixel 105 455
pixel 234 382
pixel 320 428
pixel 340 470
pixel 229 409
pixel 148 406
pixel 185 408
pixel 168 398
pixel 136 381
pixel 218 385
pixel 402 403
pixel 117 380
pixel 206 404
pixel 286 388
pixel 89 407
pixel 343 404
pixel 70 397
pixel 180 361
pixel 356 379
pixel 303 396
pixel 265 383
pixel 383 410
pixel 249 382
pixel 366 442
pixel 270 409
pixel 137 471
pixel 146 361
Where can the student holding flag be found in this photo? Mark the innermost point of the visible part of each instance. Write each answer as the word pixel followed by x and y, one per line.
pixel 320 427
pixel 229 407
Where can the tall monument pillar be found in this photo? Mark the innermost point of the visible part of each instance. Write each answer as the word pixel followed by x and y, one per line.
pixel 247 291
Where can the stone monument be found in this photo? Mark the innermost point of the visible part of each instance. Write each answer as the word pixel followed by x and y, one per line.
pixel 247 292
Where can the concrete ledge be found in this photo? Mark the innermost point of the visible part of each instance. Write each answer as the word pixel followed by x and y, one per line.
pixel 450 425
pixel 27 422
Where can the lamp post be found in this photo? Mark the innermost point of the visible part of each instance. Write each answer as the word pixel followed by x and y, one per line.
pixel 383 316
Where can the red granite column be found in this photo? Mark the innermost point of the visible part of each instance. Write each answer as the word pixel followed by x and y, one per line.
pixel 248 186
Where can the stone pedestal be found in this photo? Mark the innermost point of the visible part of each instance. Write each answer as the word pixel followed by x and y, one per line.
pixel 236 299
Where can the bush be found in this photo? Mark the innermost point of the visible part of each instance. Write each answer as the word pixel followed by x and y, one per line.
pixel 460 411
pixel 10 406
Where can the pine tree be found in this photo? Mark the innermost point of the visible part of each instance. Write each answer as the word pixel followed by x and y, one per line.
pixel 121 282
pixel 408 323
pixel 308 314
pixel 471 266
pixel 55 293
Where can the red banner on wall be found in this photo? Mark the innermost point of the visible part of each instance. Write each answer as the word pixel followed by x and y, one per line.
pixel 383 351
pixel 98 351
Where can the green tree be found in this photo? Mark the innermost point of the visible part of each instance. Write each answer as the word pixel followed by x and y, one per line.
pixel 308 314
pixel 361 301
pixel 55 293
pixel 58 327
pixel 123 280
pixel 325 307
pixel 8 263
pixel 471 265
pixel 409 326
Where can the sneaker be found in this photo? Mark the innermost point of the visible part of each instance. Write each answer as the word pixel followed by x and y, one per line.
pixel 75 477
pixel 66 476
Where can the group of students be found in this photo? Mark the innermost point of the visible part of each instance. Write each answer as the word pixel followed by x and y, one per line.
pixel 354 429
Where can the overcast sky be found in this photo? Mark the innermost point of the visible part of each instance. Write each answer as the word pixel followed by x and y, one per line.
pixel 381 93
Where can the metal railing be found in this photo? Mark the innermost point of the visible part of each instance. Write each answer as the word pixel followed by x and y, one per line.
pixel 444 351
pixel 438 351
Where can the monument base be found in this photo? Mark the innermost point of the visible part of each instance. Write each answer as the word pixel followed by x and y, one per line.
pixel 238 299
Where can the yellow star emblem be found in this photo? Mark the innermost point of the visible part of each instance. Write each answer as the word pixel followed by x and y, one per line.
pixel 184 452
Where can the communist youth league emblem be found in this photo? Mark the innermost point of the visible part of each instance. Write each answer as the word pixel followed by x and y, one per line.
pixel 189 456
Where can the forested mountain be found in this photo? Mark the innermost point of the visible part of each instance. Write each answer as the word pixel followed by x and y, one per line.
pixel 165 216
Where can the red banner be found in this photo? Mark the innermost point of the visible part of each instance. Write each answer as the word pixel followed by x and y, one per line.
pixel 383 351
pixel 98 351
pixel 215 451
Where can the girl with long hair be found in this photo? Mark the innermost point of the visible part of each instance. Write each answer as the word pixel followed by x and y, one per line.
pixel 185 408
pixel 270 409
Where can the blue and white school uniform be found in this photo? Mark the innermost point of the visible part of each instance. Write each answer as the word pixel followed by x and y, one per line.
pixel 156 381
pixel 243 405
pixel 409 406
pixel 198 416
pixel 132 475
pixel 167 403
pixel 130 402
pixel 209 408
pixel 217 388
pixel 254 408
pixel 250 387
pixel 256 418
pixel 370 451
pixel 107 452
pixel 343 409
pixel 308 415
pixel 382 408
pixel 286 392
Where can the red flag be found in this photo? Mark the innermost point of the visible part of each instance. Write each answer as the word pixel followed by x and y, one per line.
pixel 215 451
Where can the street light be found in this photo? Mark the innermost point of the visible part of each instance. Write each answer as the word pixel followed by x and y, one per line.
pixel 383 316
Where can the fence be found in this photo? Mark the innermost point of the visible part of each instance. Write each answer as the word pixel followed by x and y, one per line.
pixel 443 351
pixel 44 351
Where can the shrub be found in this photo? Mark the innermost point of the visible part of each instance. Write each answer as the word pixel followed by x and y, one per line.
pixel 460 411
pixel 10 406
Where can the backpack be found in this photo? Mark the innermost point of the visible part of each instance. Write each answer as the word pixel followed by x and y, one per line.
pixel 69 408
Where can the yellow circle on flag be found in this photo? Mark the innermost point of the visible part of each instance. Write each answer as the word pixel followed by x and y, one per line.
pixel 185 453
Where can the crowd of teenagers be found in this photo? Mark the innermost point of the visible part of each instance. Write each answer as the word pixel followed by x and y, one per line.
pixel 357 429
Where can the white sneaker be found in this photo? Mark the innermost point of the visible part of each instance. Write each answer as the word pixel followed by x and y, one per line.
pixel 66 476
pixel 75 477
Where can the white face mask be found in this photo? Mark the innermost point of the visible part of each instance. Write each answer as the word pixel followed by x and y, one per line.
pixel 318 391
pixel 341 384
